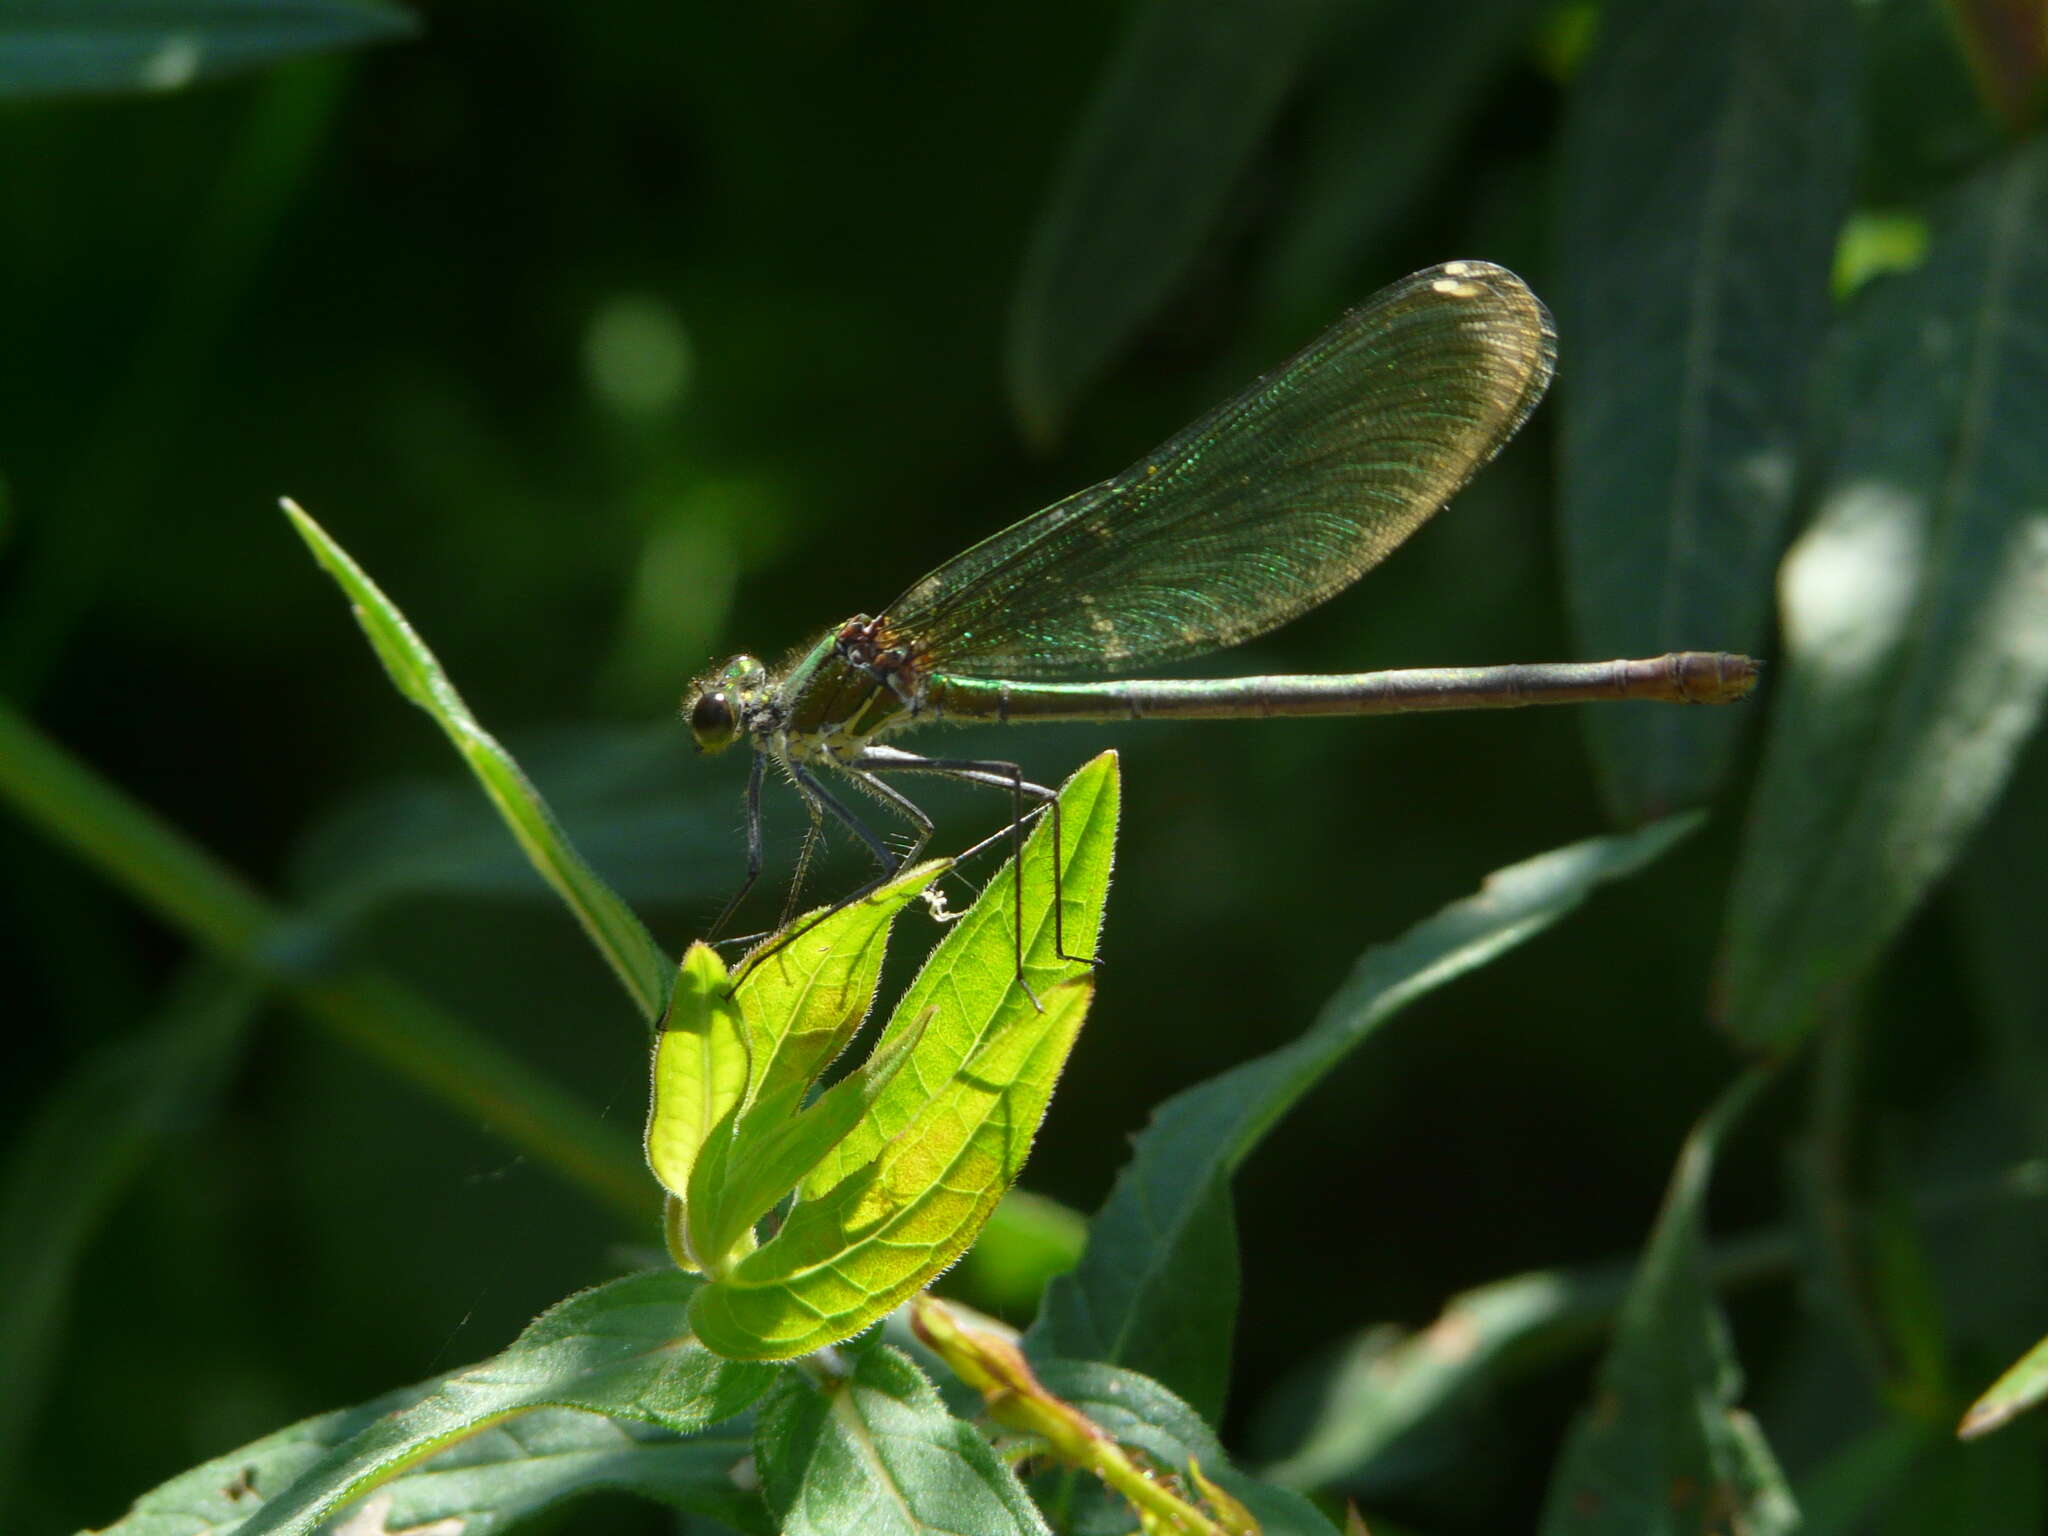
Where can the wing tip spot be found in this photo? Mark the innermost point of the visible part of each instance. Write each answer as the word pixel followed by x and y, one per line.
pixel 1456 288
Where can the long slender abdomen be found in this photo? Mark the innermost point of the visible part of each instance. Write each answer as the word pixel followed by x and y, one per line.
pixel 1683 677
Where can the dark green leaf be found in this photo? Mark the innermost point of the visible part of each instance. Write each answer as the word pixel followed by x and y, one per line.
pixel 623 1350
pixel 1663 1448
pixel 1708 161
pixel 1186 101
pixel 875 1453
pixel 1138 1412
pixel 64 47
pixel 488 1483
pixel 1396 91
pixel 1156 1290
pixel 76 1157
pixel 1916 631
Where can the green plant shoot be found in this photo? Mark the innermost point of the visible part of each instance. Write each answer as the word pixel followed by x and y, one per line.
pixel 896 1166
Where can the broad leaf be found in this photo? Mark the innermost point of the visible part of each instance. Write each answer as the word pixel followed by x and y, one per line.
pixel 488 1483
pixel 1186 101
pixel 1663 1448
pixel 1156 1290
pixel 1915 611
pixel 620 937
pixel 904 1193
pixel 66 47
pixel 623 1349
pixel 875 1453
pixel 1708 161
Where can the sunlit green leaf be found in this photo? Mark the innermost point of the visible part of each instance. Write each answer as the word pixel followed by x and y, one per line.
pixel 1189 95
pixel 1916 634
pixel 1157 1287
pixel 2020 1388
pixel 1707 165
pixel 623 1349
pixel 1663 1448
pixel 875 1453
pixel 700 1068
pixel 620 936
pixel 804 998
pixel 65 47
pixel 950 1132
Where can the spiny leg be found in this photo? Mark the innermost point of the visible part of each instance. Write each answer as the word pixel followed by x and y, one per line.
pixel 753 803
pixel 996 775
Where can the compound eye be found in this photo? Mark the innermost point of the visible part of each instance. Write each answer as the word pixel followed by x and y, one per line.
pixel 712 722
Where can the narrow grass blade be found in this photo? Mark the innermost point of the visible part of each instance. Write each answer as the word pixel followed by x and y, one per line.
pixel 1915 611
pixel 2023 1386
pixel 619 936
pixel 1709 156
pixel 1664 1424
pixel 69 47
pixel 1156 1290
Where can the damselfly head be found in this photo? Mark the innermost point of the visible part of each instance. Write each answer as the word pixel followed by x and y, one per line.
pixel 717 704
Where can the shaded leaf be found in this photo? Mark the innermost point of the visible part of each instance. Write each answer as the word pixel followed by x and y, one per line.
pixel 875 1453
pixel 620 937
pixel 1396 88
pixel 1156 1290
pixel 1915 611
pixel 623 1349
pixel 1187 99
pixel 1708 163
pixel 488 1483
pixel 76 1156
pixel 1663 1448
pixel 66 47
pixel 1138 1412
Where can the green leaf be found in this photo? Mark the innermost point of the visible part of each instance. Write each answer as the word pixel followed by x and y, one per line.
pixel 1663 1448
pixel 875 1453
pixel 905 1192
pixel 488 1483
pixel 66 47
pixel 1157 1287
pixel 623 1349
pixel 1028 1242
pixel 74 1159
pixel 1189 96
pixel 620 937
pixel 972 976
pixel 700 1069
pixel 2020 1388
pixel 1708 161
pixel 803 1000
pixel 1400 90
pixel 1915 631
pixel 1137 1411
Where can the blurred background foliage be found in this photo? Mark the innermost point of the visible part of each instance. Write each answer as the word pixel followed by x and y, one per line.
pixel 613 338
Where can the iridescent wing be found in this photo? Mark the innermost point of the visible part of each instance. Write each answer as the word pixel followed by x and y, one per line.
pixel 1267 506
